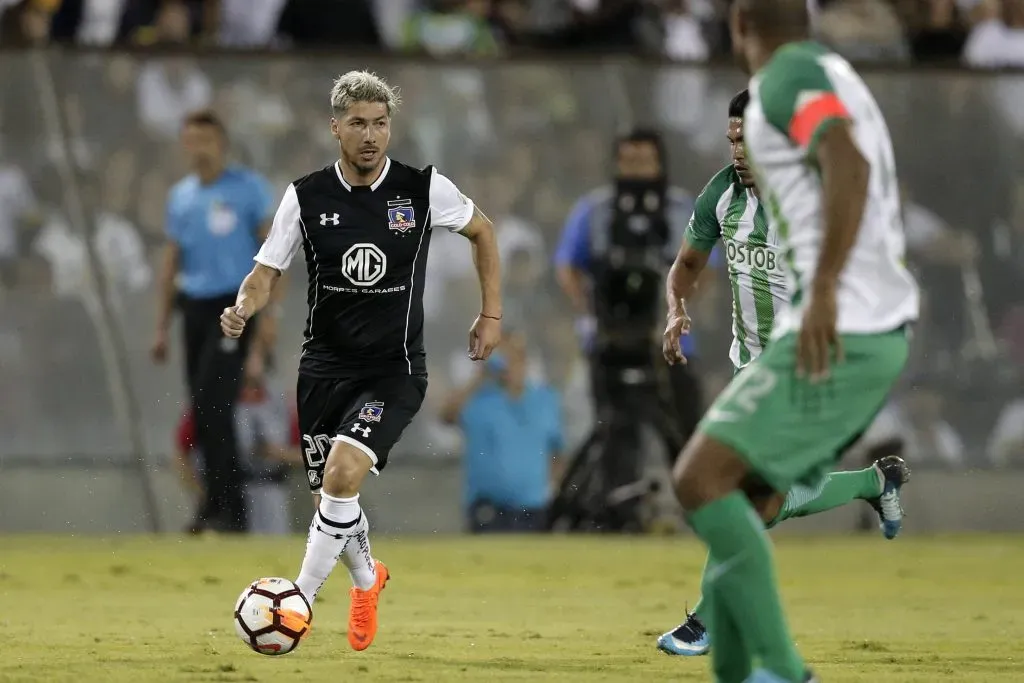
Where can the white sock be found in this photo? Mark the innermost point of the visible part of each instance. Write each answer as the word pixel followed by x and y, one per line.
pixel 339 530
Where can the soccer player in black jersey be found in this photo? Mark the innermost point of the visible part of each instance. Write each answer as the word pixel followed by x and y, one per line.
pixel 364 225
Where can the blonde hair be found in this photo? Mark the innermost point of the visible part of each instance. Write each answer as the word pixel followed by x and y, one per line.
pixel 362 86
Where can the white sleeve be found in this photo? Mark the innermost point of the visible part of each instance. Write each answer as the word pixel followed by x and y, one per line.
pixel 449 208
pixel 285 236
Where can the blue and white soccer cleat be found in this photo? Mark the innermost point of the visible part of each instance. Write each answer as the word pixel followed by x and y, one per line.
pixel 895 474
pixel 689 639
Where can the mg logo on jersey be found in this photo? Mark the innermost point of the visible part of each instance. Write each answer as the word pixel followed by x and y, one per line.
pixel 364 264
pixel 329 220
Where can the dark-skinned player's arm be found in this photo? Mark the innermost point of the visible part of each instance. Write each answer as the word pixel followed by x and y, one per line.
pixel 690 263
pixel 485 334
pixel 257 289
pixel 844 183
pixel 680 285
pixel 799 100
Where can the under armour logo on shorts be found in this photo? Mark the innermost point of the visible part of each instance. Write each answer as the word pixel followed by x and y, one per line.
pixel 332 219
pixel 365 431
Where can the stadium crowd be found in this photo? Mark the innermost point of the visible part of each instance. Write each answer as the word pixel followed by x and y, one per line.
pixel 983 33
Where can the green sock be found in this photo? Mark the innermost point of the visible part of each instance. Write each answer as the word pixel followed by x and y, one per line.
pixel 700 609
pixel 730 658
pixel 835 490
pixel 742 578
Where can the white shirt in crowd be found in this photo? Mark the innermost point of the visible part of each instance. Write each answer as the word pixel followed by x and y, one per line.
pixel 1008 435
pixel 100 21
pixel 16 201
pixel 944 444
pixel 449 259
pixel 992 45
pixel 684 39
pixel 249 23
pixel 117 242
pixel 164 100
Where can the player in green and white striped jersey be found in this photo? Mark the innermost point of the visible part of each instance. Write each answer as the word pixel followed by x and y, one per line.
pixel 729 211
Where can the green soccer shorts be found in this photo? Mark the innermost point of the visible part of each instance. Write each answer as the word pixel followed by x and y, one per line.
pixel 790 431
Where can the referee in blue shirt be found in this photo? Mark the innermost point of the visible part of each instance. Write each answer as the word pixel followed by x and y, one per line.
pixel 217 217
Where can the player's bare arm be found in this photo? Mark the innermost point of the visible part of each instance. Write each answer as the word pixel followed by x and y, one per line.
pixel 254 294
pixel 165 299
pixel 844 179
pixel 265 334
pixel 679 285
pixel 485 334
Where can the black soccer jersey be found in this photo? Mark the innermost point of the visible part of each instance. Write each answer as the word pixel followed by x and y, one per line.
pixel 366 254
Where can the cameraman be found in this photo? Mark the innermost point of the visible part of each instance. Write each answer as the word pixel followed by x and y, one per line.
pixel 616 247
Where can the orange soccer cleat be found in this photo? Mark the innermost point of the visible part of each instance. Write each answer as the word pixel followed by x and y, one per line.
pixel 362 613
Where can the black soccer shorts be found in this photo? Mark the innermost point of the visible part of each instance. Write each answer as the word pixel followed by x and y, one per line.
pixel 369 413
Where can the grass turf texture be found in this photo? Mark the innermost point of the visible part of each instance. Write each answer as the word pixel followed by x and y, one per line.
pixel 142 609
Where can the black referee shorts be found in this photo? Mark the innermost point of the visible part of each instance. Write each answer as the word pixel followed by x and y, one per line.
pixel 368 413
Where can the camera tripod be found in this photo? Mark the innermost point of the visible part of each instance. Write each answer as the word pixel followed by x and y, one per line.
pixel 603 488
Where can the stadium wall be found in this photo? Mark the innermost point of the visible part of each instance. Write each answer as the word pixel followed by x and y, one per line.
pixel 423 499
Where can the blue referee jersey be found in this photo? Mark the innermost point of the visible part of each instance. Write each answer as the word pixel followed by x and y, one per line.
pixel 216 228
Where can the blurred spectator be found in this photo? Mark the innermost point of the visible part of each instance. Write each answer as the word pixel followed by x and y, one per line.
pixel 934 27
pixel 18 212
pixel 940 255
pixel 25 23
pixel 161 22
pixel 997 39
pixel 863 30
pixel 1006 444
pixel 115 241
pixel 684 36
pixel 917 419
pixel 513 438
pixel 601 26
pixel 329 23
pixel 167 89
pixel 268 438
pixel 452 27
pixel 247 23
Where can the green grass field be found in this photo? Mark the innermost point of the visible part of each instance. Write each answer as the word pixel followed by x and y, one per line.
pixel 144 609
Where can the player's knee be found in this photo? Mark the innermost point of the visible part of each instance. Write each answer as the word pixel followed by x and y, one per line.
pixel 345 470
pixel 706 471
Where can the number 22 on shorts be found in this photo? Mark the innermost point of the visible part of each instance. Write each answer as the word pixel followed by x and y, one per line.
pixel 740 399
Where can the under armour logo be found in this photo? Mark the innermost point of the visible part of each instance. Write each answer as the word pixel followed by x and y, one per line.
pixel 357 427
pixel 332 219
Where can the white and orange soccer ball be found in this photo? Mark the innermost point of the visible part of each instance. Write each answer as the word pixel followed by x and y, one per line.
pixel 272 616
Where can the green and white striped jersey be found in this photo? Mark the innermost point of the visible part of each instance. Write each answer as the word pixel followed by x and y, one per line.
pixel 728 211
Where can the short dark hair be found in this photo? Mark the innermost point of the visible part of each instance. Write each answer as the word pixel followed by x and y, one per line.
pixel 205 117
pixel 738 104
pixel 641 136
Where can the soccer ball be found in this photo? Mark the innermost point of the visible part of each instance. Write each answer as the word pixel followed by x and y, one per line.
pixel 272 616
